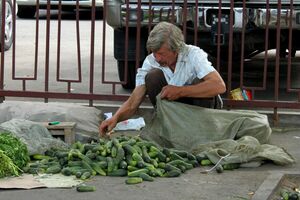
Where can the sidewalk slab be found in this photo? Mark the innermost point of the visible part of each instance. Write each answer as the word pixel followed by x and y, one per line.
pixel 239 184
pixel 275 182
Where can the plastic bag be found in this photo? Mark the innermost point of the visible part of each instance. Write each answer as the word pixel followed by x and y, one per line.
pixel 243 134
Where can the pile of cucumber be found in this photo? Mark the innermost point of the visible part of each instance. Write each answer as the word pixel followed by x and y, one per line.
pixel 290 194
pixel 137 159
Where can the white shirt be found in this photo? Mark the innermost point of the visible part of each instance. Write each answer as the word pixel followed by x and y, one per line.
pixel 191 63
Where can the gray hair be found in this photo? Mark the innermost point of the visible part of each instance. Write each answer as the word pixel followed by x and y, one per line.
pixel 165 32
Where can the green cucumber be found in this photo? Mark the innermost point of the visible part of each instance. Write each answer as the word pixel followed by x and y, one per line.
pixel 146 177
pixel 191 156
pixel 66 171
pixel 118 172
pixel 162 165
pixel 141 164
pixel 182 168
pixel 153 148
pixel 138 149
pixel 175 156
pixel 88 166
pixel 161 156
pixel 98 169
pixel 206 162
pixel 108 145
pixel 170 167
pixel 131 168
pixel 120 155
pixel 172 173
pixel 129 149
pixel 136 173
pixel 116 142
pixel 154 162
pixel 85 175
pixel 181 153
pixel 102 164
pixel 97 148
pixel 61 154
pixel 104 152
pixel 72 163
pixel 156 172
pixel 91 155
pixel 53 169
pixel 137 157
pixel 85 188
pixel 110 164
pixel 132 162
pixel 219 169
pixel 166 151
pixel 89 147
pixel 231 166
pixel 145 154
pixel 133 180
pixel 200 157
pixel 114 151
pixel 194 163
pixel 79 173
pixel 39 157
pixel 145 144
pixel 100 158
pixel 123 164
pixel 78 145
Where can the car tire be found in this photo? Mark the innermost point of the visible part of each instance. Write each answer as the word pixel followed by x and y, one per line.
pixel 130 84
pixel 26 11
pixel 8 26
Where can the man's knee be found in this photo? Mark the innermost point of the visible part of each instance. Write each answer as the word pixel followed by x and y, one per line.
pixel 155 76
pixel 154 81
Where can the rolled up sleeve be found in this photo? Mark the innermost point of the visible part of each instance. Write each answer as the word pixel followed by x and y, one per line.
pixel 148 64
pixel 201 63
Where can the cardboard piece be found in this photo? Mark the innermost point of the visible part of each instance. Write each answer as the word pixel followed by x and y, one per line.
pixel 29 181
pixel 26 181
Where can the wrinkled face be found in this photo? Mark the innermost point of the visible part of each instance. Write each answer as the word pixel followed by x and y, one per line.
pixel 165 57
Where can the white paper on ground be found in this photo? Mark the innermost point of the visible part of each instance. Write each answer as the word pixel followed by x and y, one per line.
pixel 130 124
pixel 58 180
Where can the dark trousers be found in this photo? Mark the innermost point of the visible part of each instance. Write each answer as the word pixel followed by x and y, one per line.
pixel 155 81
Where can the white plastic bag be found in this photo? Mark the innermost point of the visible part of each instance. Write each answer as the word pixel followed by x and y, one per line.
pixel 130 124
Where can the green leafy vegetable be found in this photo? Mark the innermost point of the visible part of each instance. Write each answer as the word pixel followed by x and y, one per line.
pixel 7 167
pixel 13 154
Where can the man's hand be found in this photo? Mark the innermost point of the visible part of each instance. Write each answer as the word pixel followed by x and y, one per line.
pixel 170 92
pixel 107 126
pixel 125 111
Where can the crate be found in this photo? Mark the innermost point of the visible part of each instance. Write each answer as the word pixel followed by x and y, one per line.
pixel 64 129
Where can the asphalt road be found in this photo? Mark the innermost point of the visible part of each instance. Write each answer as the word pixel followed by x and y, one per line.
pixel 231 185
pixel 27 30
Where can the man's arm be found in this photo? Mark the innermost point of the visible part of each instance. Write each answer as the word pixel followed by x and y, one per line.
pixel 211 86
pixel 128 109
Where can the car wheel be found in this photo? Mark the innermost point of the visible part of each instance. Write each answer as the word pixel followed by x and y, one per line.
pixel 26 11
pixel 8 26
pixel 130 74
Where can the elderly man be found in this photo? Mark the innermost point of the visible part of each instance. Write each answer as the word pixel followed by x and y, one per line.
pixel 175 71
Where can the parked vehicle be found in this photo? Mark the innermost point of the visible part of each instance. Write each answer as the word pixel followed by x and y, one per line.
pixel 8 24
pixel 27 8
pixel 202 17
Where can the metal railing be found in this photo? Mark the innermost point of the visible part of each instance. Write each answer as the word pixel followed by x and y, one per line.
pixel 270 75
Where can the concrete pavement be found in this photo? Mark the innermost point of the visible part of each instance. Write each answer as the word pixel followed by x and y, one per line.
pixel 243 183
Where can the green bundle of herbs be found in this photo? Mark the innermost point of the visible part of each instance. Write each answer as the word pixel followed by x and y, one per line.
pixel 7 167
pixel 13 154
